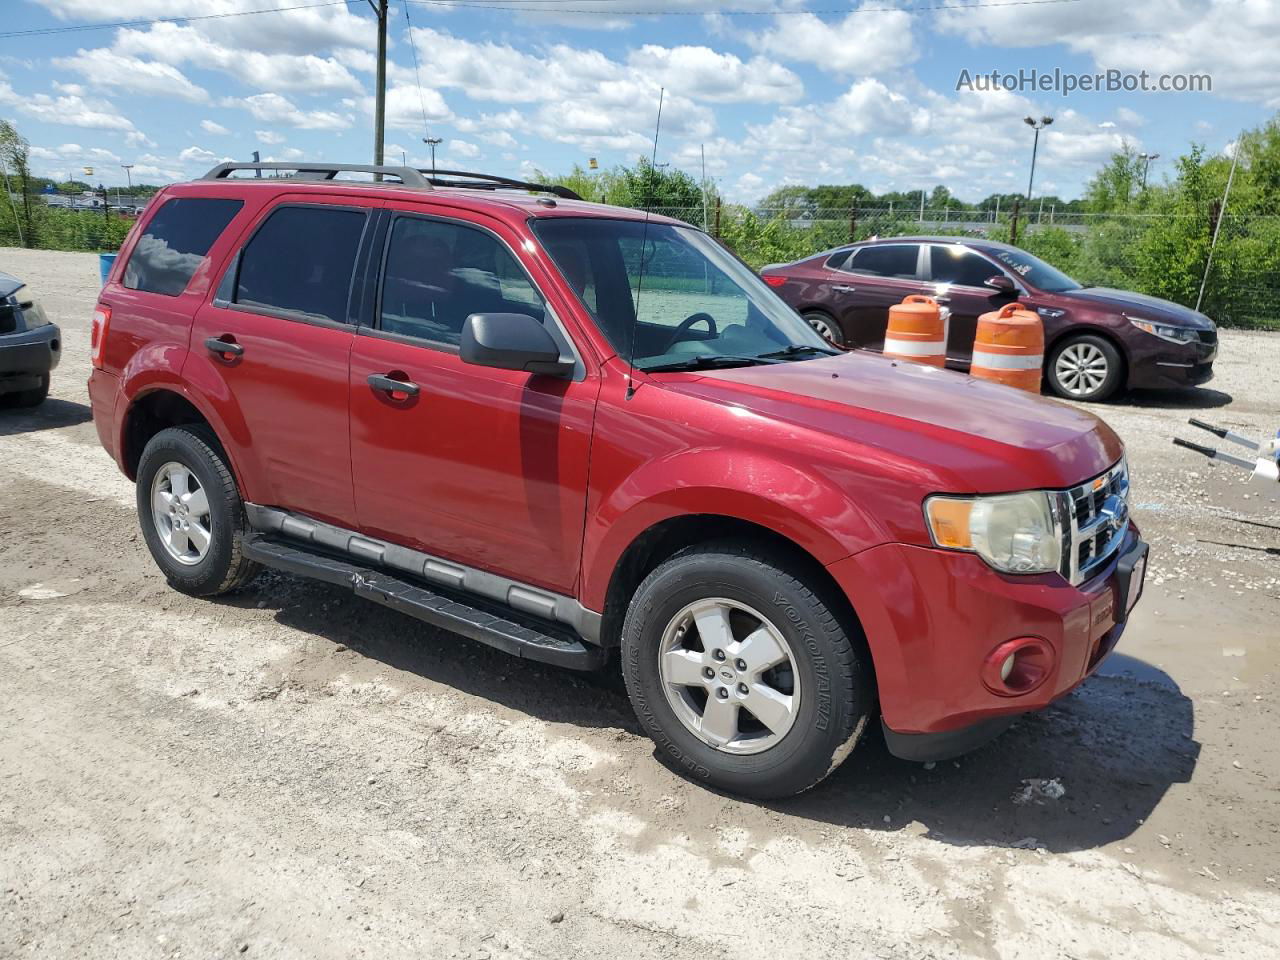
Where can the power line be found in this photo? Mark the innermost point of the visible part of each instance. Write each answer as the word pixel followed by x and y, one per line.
pixel 606 7
pixel 545 6
pixel 150 21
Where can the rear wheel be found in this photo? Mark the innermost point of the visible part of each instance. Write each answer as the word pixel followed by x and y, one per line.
pixel 825 326
pixel 191 513
pixel 741 674
pixel 1085 367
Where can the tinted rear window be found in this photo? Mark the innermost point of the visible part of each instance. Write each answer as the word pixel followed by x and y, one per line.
pixel 301 261
pixel 177 239
pixel 896 260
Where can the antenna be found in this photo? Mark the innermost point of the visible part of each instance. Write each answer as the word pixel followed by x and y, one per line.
pixel 644 239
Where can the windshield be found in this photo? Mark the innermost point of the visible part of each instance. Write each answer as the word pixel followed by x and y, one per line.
pixel 1035 271
pixel 683 300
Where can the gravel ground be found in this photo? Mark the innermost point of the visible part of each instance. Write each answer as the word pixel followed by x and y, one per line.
pixel 291 772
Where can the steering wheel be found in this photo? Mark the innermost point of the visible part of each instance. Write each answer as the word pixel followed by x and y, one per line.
pixel 688 322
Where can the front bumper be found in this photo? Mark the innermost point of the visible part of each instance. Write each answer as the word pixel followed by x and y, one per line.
pixel 932 617
pixel 27 356
pixel 1173 366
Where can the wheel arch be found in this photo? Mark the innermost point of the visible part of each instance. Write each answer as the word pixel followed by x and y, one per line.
pixel 157 408
pixel 664 539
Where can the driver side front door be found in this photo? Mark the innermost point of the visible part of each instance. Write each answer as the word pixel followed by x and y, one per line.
pixel 481 466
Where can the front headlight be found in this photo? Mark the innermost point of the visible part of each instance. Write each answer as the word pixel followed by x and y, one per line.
pixel 1014 532
pixel 1166 332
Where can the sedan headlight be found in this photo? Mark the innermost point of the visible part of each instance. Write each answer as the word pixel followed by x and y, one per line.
pixel 1014 532
pixel 1166 332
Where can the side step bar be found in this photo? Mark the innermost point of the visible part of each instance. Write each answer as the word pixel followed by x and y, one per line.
pixel 426 605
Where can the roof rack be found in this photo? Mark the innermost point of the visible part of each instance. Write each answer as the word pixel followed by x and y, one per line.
pixel 489 181
pixel 324 171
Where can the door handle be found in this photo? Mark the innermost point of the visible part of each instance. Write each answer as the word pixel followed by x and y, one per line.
pixel 224 347
pixel 391 385
pixel 843 288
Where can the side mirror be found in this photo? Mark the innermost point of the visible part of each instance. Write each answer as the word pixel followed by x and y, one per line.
pixel 511 341
pixel 1001 284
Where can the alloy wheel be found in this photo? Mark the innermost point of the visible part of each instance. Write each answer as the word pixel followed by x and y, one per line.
pixel 822 327
pixel 729 676
pixel 1081 368
pixel 180 509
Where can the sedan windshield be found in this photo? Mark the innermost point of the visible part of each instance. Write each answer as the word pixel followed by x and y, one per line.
pixel 674 294
pixel 1035 271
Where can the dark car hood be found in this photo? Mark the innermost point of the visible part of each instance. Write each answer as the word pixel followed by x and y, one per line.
pixel 971 435
pixel 1140 305
pixel 9 284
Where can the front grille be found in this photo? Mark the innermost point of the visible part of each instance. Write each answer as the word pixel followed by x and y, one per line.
pixel 1097 515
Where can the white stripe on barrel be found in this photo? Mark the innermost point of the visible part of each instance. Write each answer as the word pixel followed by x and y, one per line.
pixel 1007 361
pixel 915 348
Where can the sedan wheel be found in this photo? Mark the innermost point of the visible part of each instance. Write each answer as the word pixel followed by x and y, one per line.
pixel 825 328
pixel 1085 368
pixel 729 676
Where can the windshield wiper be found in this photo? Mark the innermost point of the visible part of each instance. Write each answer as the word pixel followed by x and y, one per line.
pixel 796 349
pixel 709 362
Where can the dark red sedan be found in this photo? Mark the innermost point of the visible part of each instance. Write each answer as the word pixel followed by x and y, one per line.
pixel 1097 340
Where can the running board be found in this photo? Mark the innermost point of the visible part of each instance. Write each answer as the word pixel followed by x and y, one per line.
pixel 427 605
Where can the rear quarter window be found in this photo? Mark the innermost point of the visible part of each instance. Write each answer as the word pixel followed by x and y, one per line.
pixel 175 243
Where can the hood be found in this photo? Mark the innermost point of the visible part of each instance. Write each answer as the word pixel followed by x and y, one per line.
pixel 1141 306
pixel 964 435
pixel 9 285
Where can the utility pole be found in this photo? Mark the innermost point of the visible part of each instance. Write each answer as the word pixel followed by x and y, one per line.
pixel 1037 126
pixel 703 149
pixel 431 142
pixel 380 94
pixel 1146 159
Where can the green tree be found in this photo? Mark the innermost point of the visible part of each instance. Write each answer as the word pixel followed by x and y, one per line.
pixel 15 155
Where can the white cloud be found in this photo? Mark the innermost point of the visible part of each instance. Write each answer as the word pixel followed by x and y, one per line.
pixel 1159 36
pixel 868 41
pixel 704 74
pixel 217 129
pixel 269 136
pixel 199 155
pixel 173 44
pixel 71 109
pixel 273 108
pixel 106 68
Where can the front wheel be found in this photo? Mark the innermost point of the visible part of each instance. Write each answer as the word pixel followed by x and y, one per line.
pixel 740 672
pixel 191 513
pixel 825 326
pixel 1085 367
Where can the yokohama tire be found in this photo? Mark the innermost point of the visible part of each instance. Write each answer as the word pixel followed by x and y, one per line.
pixel 832 679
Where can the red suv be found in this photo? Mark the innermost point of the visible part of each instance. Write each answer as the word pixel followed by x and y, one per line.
pixel 565 429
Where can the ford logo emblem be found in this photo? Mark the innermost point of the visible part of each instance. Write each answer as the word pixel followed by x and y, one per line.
pixel 1116 510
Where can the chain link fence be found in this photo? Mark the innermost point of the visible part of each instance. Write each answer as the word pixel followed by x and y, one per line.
pixel 1163 255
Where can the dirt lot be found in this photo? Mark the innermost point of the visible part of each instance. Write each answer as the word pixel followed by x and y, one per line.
pixel 292 772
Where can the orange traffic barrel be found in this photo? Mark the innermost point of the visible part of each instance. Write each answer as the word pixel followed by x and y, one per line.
pixel 1009 347
pixel 917 331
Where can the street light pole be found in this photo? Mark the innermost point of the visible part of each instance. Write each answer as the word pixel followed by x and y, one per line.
pixel 1037 126
pixel 380 93
pixel 431 142
pixel 128 167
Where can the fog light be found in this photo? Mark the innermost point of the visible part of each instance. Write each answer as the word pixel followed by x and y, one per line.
pixel 1006 668
pixel 1018 666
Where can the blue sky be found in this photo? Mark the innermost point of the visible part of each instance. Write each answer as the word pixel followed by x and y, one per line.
pixel 791 93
